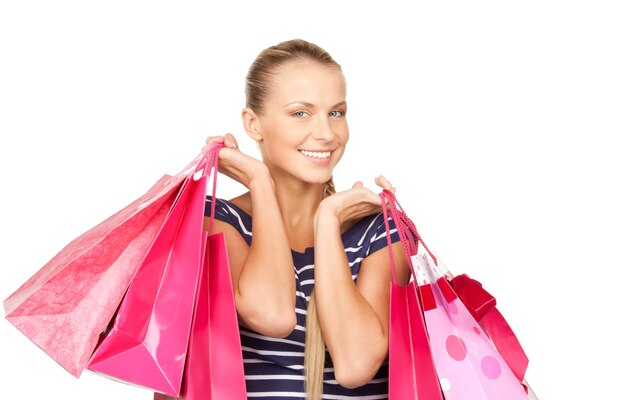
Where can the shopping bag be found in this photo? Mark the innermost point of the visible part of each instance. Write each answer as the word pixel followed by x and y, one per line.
pixel 482 306
pixel 147 342
pixel 412 374
pixel 65 305
pixel 214 368
pixel 467 363
pixel 214 364
pixel 197 362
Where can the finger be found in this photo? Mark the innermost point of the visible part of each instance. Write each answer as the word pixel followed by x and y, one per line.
pixel 384 183
pixel 230 141
pixel 215 139
pixel 357 184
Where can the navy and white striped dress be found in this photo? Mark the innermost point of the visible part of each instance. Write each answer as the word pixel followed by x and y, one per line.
pixel 274 368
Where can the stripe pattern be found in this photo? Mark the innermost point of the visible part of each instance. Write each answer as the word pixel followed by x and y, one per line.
pixel 274 368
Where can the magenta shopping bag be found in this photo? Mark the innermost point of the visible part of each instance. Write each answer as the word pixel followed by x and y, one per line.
pixel 214 362
pixel 65 306
pixel 412 374
pixel 147 342
pixel 214 368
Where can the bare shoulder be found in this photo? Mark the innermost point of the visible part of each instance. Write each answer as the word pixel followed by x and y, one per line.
pixel 244 202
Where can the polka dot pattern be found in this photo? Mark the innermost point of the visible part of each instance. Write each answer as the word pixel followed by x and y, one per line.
pixel 445 384
pixel 491 367
pixel 467 364
pixel 456 348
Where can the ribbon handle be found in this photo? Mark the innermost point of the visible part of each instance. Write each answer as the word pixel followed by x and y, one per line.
pixel 209 166
pixel 409 236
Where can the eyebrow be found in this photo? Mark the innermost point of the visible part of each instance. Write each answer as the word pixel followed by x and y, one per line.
pixel 307 104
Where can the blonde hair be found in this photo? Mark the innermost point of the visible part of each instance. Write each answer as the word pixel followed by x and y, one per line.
pixel 314 346
pixel 258 86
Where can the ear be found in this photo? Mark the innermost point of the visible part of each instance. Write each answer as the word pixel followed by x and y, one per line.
pixel 251 124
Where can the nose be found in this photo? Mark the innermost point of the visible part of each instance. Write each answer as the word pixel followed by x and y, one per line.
pixel 323 131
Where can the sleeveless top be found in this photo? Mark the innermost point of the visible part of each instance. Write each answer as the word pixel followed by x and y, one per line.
pixel 274 368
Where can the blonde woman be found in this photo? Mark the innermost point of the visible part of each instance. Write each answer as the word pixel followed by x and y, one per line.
pixel 310 278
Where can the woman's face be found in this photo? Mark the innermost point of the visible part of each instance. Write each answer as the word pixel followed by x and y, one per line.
pixel 303 125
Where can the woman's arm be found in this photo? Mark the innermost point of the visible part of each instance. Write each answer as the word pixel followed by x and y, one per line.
pixel 266 288
pixel 262 274
pixel 354 318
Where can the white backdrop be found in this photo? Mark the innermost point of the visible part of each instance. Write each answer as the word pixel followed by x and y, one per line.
pixel 500 123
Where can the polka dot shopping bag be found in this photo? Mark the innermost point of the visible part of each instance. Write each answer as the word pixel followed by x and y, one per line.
pixel 468 366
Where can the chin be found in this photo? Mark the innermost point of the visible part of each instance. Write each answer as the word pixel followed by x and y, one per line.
pixel 317 178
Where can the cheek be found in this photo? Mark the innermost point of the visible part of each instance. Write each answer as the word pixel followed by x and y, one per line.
pixel 280 144
pixel 344 135
pixel 290 133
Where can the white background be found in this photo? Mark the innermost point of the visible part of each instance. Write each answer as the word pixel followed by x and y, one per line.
pixel 500 123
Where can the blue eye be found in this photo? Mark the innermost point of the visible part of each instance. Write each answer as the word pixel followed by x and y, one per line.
pixel 299 114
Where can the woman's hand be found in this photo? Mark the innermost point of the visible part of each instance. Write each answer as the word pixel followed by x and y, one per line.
pixel 233 163
pixel 354 203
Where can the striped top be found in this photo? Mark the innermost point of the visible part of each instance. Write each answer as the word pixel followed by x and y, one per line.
pixel 274 368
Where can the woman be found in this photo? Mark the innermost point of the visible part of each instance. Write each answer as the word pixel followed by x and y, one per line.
pixel 296 112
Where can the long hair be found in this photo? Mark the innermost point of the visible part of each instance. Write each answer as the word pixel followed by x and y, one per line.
pixel 258 88
pixel 314 346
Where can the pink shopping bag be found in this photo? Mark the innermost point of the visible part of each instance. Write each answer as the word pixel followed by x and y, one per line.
pixel 468 365
pixel 412 374
pixel 214 367
pixel 482 305
pixel 147 342
pixel 65 306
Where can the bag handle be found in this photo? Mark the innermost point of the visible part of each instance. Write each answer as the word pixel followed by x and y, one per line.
pixel 405 227
pixel 208 164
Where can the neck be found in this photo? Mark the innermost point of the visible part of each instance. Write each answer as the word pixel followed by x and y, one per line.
pixel 298 201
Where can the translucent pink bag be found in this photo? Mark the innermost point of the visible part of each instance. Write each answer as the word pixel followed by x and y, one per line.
pixel 468 364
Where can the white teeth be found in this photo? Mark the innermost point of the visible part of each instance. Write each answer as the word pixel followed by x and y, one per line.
pixel 316 154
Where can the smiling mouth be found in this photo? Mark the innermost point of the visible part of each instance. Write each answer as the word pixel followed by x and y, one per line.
pixel 316 154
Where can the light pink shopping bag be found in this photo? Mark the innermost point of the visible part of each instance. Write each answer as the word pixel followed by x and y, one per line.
pixel 468 364
pixel 65 306
pixel 482 305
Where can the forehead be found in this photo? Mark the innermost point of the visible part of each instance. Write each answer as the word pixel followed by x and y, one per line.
pixel 308 81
